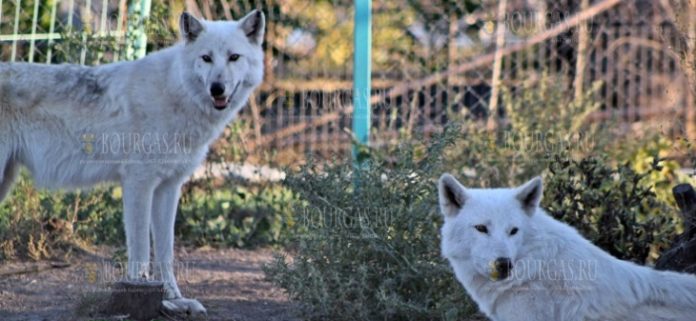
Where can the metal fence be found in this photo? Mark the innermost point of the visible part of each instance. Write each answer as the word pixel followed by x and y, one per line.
pixel 433 60
pixel 31 30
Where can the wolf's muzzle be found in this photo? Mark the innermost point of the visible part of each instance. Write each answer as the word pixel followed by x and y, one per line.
pixel 217 91
pixel 500 268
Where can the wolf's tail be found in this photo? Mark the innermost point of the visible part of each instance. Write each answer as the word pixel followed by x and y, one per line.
pixel 8 174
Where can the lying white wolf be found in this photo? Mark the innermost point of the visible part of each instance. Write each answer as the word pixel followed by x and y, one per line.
pixel 146 124
pixel 519 264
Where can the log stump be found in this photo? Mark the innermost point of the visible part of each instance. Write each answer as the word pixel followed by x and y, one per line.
pixel 139 300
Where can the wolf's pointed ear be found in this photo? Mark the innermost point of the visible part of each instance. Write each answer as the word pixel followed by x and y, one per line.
pixel 189 27
pixel 530 194
pixel 254 26
pixel 451 194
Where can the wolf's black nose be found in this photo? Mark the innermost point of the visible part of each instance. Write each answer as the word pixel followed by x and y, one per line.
pixel 217 89
pixel 503 265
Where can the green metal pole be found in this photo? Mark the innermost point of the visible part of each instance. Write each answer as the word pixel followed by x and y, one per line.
pixel 137 47
pixel 362 73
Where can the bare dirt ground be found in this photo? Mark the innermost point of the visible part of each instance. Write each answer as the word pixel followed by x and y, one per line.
pixel 228 282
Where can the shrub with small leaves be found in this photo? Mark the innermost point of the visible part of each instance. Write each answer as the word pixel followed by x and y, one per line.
pixel 542 120
pixel 41 224
pixel 228 215
pixel 370 247
pixel 611 206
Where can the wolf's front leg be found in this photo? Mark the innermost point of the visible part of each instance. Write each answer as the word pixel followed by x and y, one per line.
pixel 137 204
pixel 163 215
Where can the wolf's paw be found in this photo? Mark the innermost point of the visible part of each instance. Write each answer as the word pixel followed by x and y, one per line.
pixel 182 307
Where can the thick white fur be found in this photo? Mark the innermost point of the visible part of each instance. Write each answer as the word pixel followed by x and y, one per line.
pixel 63 123
pixel 557 274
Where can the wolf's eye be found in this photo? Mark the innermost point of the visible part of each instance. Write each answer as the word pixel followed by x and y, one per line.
pixel 481 228
pixel 234 57
pixel 207 58
pixel 514 231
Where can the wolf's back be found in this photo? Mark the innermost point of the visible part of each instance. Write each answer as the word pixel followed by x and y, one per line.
pixel 674 288
pixel 667 296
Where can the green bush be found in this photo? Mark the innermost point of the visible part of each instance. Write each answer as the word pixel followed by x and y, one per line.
pixel 658 150
pixel 36 223
pixel 611 206
pixel 542 120
pixel 371 252
pixel 240 216
pixel 41 224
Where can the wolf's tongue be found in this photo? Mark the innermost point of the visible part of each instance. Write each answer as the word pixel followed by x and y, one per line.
pixel 220 102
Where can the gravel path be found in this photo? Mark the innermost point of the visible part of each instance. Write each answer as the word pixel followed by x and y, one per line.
pixel 229 282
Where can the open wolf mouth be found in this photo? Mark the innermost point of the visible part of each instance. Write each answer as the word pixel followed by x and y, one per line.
pixel 221 102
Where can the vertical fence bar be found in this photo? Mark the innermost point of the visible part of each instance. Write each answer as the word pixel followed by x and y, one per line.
pixel 102 27
pixel 51 29
pixel 362 73
pixel 138 47
pixel 34 22
pixel 104 18
pixel 119 27
pixel 71 14
pixel 18 8
pixel 86 27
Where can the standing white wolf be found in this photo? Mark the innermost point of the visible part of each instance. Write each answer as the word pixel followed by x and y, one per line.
pixel 146 124
pixel 520 264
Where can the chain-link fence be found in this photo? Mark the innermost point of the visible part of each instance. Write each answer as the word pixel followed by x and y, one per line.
pixel 433 61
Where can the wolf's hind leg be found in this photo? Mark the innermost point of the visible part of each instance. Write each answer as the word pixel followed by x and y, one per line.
pixel 8 174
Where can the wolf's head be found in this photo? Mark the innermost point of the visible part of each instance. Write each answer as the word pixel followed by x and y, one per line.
pixel 222 61
pixel 484 229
